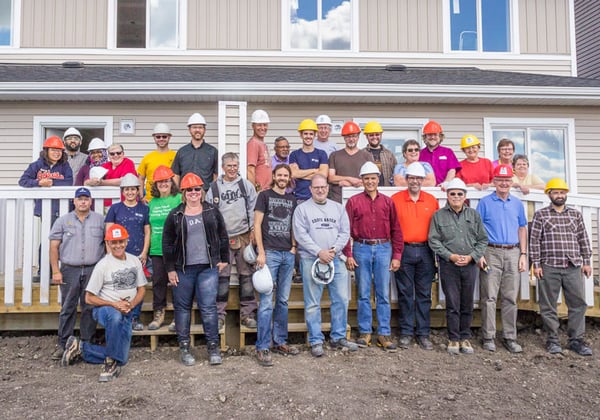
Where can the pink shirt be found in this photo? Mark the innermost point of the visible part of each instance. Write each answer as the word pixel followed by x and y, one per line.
pixel 258 156
pixel 125 167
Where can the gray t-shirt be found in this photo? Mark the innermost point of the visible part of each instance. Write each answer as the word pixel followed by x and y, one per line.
pixel 114 279
pixel 195 244
pixel 346 165
pixel 237 212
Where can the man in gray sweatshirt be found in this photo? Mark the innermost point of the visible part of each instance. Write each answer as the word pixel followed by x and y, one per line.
pixel 322 229
pixel 235 197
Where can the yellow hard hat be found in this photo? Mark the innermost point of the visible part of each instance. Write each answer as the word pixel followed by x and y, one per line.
pixel 556 184
pixel 469 140
pixel 308 125
pixel 372 127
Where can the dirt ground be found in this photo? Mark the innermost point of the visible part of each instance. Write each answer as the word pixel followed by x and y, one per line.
pixel 407 384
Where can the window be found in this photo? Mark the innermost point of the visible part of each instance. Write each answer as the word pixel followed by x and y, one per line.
pixel 151 24
pixel 480 25
pixel 320 24
pixel 7 23
pixel 544 141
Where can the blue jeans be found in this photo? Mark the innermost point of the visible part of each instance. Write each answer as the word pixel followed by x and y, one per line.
pixel 413 280
pixel 373 267
pixel 281 266
pixel 202 282
pixel 338 294
pixel 117 328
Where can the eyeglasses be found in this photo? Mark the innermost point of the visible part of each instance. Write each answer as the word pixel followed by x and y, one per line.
pixel 159 137
pixel 115 153
pixel 195 189
pixel 319 187
pixel 412 150
pixel 456 194
pixel 506 149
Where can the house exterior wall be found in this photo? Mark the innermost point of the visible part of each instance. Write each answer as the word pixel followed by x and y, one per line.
pixel 587 16
pixel 544 26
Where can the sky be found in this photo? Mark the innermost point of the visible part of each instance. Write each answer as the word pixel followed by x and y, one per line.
pixel 335 26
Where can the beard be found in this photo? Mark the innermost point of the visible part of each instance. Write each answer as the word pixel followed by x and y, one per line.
pixel 71 148
pixel 559 201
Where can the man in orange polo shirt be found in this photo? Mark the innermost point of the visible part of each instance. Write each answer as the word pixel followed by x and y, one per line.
pixel 415 209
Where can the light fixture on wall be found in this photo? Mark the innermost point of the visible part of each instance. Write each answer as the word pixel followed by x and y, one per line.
pixel 127 126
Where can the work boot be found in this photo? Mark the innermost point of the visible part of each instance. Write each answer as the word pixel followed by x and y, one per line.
pixel 364 340
pixel 249 322
pixel 172 327
pixel 57 354
pixel 386 343
pixel 110 370
pixel 158 321
pixel 136 325
pixel 214 353
pixel 185 355
pixel 579 347
pixel 72 351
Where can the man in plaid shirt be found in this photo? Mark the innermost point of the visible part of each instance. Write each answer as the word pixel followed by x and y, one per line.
pixel 560 252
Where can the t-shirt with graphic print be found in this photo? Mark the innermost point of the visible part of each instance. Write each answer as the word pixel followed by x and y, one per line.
pixel 276 226
pixel 114 279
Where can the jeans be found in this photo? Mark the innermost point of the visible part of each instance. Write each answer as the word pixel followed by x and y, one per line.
pixel 281 266
pixel 200 281
pixel 458 284
pixel 413 280
pixel 373 267
pixel 75 280
pixel 117 328
pixel 338 294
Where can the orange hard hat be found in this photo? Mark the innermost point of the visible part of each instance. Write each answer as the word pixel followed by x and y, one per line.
pixel 116 232
pixel 53 142
pixel 432 127
pixel 190 180
pixel 350 128
pixel 162 173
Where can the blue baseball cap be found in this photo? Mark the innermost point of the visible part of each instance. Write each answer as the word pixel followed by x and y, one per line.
pixel 82 191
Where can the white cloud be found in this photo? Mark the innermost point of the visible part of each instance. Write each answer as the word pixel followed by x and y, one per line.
pixel 336 29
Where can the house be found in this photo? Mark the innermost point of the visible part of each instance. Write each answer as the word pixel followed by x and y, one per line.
pixel 587 33
pixel 115 68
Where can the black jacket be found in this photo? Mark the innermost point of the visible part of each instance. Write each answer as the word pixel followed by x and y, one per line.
pixel 175 231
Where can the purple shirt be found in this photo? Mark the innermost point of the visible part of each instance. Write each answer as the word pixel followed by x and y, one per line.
pixel 276 161
pixel 442 159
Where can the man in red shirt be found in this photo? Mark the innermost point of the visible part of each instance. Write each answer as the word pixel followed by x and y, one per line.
pixel 376 250
pixel 415 209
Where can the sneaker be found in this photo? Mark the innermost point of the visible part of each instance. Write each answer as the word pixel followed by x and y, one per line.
pixel 425 342
pixel 579 347
pixel 110 370
pixel 404 341
pixel 512 346
pixel 136 325
pixel 221 323
pixel 214 354
pixel 386 343
pixel 57 354
pixel 466 347
pixel 172 327
pixel 36 278
pixel 72 351
pixel 342 344
pixel 185 355
pixel 317 350
pixel 364 340
pixel 553 348
pixel 158 320
pixel 489 345
pixel 453 347
pixel 249 323
pixel 285 350
pixel 264 358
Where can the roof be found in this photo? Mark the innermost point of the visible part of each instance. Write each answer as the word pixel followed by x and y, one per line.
pixel 360 84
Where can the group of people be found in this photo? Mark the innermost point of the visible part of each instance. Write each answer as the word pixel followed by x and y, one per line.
pixel 191 224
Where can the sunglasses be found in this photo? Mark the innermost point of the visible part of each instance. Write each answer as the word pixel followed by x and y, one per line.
pixel 161 137
pixel 456 194
pixel 115 153
pixel 195 189
pixel 412 150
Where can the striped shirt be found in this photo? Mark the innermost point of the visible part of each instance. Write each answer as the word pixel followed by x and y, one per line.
pixel 558 239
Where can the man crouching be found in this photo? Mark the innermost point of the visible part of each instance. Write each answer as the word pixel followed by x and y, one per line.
pixel 115 288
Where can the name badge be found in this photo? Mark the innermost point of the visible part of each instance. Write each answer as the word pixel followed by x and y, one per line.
pixel 443 157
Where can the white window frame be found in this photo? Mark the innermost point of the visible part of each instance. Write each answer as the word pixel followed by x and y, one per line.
pixel 286 29
pixel 390 124
pixel 15 26
pixel 181 28
pixel 567 124
pixel 41 123
pixel 514 32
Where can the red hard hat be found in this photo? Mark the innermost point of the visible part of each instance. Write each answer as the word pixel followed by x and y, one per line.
pixel 350 128
pixel 162 173
pixel 503 171
pixel 191 180
pixel 432 127
pixel 116 232
pixel 53 142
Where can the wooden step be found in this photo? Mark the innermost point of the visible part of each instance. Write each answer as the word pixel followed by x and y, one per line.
pixel 292 327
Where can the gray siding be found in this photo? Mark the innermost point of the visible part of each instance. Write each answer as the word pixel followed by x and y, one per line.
pixel 544 26
pixel 587 27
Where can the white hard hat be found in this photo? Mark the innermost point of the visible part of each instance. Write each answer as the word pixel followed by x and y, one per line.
pixel 322 273
pixel 196 118
pixel 323 119
pixel 129 180
pixel 262 280
pixel 98 172
pixel 369 168
pixel 249 254
pixel 415 169
pixel 72 131
pixel 259 117
pixel 96 144
pixel 162 128
pixel 456 184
